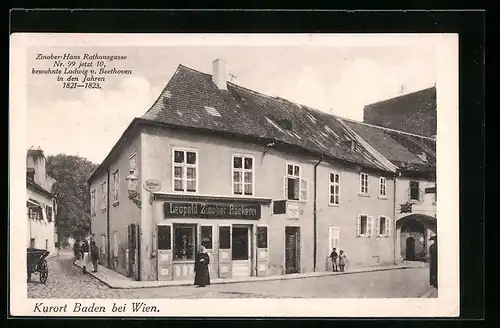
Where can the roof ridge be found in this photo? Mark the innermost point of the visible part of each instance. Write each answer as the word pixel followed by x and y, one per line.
pixel 388 129
pixel 401 96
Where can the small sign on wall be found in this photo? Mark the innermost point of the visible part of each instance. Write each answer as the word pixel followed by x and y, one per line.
pixel 152 185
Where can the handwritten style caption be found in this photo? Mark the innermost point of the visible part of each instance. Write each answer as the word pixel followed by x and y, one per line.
pixel 136 307
pixel 80 71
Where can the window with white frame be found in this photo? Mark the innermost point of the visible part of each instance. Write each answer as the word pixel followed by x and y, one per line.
pixel 104 195
pixel 363 180
pixel 132 165
pixel 364 226
pixel 383 226
pixel 185 170
pixel 295 187
pixel 243 175
pixel 92 202
pixel 382 187
pixel 334 188
pixel 116 186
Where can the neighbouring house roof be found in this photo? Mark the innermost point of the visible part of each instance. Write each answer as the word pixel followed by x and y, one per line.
pixel 404 150
pixel 413 113
pixel 36 187
pixel 192 100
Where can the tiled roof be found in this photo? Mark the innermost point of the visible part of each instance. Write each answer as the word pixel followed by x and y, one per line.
pixel 403 149
pixel 192 100
pixel 413 112
pixel 35 186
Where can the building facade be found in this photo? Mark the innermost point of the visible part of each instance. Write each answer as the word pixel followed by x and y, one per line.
pixel 41 204
pixel 269 187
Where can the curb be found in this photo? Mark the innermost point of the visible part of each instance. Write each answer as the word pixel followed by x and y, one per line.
pixel 119 285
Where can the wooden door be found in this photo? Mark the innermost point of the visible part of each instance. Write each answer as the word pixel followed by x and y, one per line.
pixel 206 238
pixel 164 252
pixel 292 250
pixel 262 251
pixel 225 253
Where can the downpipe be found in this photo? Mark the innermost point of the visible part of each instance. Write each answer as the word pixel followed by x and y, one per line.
pixel 394 227
pixel 315 212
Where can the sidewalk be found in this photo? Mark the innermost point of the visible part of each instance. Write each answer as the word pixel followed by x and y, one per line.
pixel 116 280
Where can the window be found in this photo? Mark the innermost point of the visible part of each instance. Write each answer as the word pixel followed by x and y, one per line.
pixel 184 242
pixel 382 188
pixel 103 196
pixel 364 226
pixel 414 191
pixel 334 238
pixel 116 186
pixel 185 170
pixel 295 187
pixel 261 237
pixel 242 175
pixel 92 203
pixel 334 189
pixel 224 237
pixel 164 238
pixel 132 164
pixel 206 237
pixel 364 183
pixel 48 209
pixel 383 226
pixel 115 244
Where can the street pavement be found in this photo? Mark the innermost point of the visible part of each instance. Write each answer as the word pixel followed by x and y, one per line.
pixel 66 281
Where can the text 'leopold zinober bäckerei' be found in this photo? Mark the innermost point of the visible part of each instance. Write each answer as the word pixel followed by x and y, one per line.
pixel 136 307
pixel 212 210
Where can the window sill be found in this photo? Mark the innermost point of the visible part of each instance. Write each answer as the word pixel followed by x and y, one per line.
pixel 296 201
pixel 183 261
pixel 383 197
pixel 363 195
pixel 334 205
pixel 116 203
pixel 363 236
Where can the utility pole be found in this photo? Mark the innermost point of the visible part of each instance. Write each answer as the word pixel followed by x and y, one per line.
pixel 402 89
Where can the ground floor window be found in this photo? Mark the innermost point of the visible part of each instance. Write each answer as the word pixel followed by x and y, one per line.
pixel 184 242
pixel 364 226
pixel 206 237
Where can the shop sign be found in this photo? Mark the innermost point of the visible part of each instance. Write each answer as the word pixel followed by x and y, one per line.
pixel 152 185
pixel 212 210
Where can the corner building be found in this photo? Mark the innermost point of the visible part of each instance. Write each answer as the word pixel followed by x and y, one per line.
pixel 268 186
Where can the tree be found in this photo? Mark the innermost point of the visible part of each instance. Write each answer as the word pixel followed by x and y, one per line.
pixel 72 192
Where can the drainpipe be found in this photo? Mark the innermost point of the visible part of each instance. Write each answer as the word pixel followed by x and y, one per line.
pixel 394 228
pixel 108 246
pixel 315 211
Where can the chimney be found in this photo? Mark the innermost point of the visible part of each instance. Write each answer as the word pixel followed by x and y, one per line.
pixel 35 161
pixel 219 75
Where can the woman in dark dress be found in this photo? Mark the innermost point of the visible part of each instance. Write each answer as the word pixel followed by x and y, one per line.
pixel 201 274
pixel 433 279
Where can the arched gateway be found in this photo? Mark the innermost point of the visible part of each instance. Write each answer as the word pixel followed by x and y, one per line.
pixel 413 233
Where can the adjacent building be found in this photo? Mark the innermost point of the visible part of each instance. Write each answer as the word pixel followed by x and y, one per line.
pixel 268 186
pixel 413 113
pixel 41 204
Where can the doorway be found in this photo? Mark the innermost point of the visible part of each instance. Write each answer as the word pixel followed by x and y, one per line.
pixel 240 251
pixel 410 249
pixel 292 250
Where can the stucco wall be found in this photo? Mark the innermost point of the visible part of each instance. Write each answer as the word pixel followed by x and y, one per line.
pixel 41 230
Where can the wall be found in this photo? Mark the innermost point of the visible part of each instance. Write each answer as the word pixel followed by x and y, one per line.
pixel 41 230
pixel 361 251
pixel 121 213
pixel 427 206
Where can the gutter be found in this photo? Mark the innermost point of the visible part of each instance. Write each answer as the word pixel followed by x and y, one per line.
pixel 315 212
pixel 394 227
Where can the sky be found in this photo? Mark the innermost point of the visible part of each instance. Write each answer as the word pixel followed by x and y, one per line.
pixel 334 79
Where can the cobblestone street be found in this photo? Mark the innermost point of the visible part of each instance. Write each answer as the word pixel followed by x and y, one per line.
pixel 66 281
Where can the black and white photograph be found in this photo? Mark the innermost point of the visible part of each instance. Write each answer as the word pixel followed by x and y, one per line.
pixel 297 174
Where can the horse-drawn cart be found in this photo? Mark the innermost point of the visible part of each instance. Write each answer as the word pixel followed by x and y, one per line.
pixel 37 263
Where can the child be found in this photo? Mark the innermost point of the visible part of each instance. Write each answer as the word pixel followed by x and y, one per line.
pixel 342 260
pixel 333 256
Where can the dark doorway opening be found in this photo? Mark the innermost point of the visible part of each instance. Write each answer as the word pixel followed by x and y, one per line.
pixel 240 243
pixel 410 249
pixel 292 250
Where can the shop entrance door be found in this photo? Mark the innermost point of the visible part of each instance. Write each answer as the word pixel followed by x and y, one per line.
pixel 292 250
pixel 241 250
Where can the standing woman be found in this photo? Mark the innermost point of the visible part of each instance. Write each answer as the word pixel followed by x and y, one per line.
pixel 433 279
pixel 201 274
pixel 86 255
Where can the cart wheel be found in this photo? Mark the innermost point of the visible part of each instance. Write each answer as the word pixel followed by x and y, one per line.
pixel 44 271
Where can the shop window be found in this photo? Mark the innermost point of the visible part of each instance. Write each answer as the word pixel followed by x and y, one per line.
pixel 184 170
pixel 206 237
pixel 261 237
pixel 184 242
pixel 224 237
pixel 295 187
pixel 243 175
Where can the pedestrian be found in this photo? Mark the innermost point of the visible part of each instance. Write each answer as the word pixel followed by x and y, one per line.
pixel 85 251
pixel 433 254
pixel 94 254
pixel 342 260
pixel 76 250
pixel 334 256
pixel 201 274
